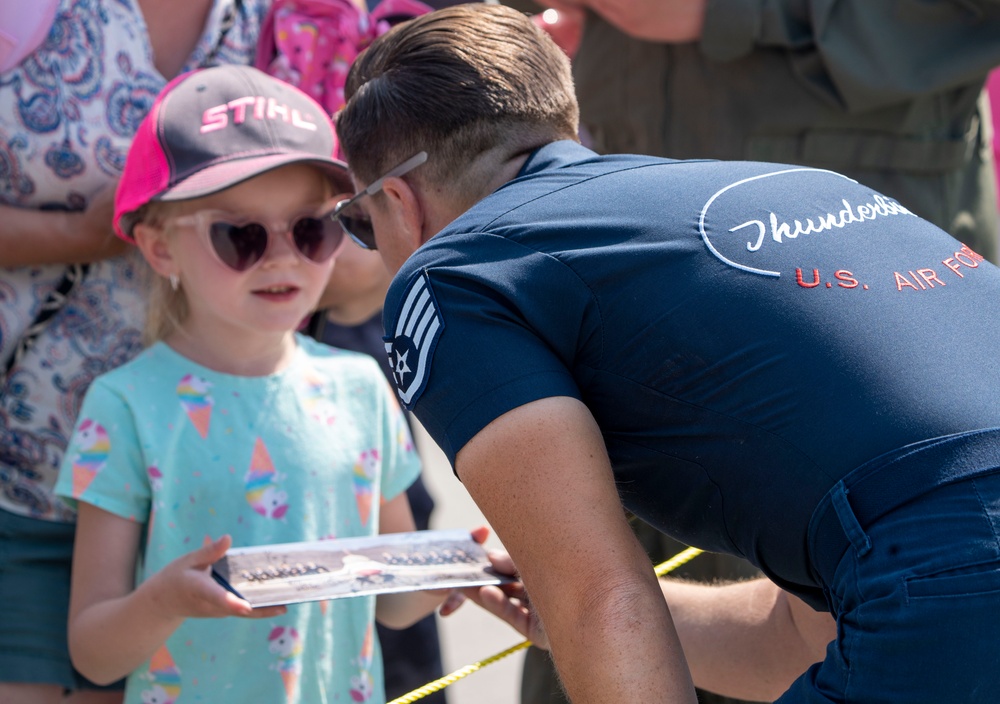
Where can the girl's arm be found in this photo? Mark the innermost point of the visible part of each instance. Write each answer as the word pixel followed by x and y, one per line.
pixel 404 609
pixel 509 603
pixel 114 627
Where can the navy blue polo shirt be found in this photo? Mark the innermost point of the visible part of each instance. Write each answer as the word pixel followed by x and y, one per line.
pixel 745 334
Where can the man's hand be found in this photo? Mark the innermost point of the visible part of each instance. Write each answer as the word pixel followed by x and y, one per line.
pixel 671 21
pixel 565 26
pixel 509 602
pixel 454 598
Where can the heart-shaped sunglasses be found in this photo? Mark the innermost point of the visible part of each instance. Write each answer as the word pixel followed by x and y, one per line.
pixel 240 244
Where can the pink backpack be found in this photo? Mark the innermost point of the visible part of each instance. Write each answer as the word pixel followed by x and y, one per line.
pixel 312 43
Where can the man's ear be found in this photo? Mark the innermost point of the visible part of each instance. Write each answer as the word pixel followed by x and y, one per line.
pixel 407 212
pixel 152 242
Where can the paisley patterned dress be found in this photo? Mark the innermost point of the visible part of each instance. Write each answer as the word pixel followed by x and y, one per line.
pixel 67 115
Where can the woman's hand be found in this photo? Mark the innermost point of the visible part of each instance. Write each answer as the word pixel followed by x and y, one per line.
pixel 96 236
pixel 32 237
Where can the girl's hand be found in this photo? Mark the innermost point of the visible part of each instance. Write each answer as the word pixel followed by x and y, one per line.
pixel 114 626
pixel 186 589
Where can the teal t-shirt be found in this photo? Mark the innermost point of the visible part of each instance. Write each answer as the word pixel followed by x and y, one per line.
pixel 304 454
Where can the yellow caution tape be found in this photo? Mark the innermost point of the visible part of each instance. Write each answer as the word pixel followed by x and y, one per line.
pixel 442 682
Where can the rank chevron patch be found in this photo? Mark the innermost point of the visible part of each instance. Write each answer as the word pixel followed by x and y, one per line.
pixel 411 345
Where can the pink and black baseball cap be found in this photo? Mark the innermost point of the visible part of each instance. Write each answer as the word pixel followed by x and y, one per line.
pixel 213 128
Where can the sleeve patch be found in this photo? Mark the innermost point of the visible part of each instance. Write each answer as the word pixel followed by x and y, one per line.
pixel 410 344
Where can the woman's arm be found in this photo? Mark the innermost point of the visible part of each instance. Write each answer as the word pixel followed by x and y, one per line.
pixel 114 627
pixel 32 237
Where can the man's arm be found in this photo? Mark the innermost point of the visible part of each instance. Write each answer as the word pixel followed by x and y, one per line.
pixel 748 640
pixel 859 54
pixel 541 475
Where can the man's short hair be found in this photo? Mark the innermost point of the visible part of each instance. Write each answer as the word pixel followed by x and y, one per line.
pixel 456 83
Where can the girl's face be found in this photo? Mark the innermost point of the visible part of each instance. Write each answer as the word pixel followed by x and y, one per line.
pixel 272 297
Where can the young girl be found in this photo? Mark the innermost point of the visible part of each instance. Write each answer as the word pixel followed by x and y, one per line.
pixel 231 424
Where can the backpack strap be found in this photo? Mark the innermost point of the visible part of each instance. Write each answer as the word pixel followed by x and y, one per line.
pixel 266 46
pixel 53 303
pixel 233 13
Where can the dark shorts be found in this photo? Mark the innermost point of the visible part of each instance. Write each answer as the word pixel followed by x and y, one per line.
pixel 917 601
pixel 35 559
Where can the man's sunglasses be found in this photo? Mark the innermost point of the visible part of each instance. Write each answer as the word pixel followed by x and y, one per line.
pixel 241 244
pixel 354 220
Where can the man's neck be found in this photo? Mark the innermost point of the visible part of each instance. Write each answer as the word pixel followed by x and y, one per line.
pixel 491 169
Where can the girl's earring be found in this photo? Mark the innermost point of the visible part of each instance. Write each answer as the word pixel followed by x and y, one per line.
pixel 174 282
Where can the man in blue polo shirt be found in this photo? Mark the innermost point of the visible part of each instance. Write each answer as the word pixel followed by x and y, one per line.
pixel 765 360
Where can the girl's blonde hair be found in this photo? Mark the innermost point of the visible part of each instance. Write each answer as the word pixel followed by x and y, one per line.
pixel 166 308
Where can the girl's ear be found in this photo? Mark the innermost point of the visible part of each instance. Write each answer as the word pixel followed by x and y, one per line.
pixel 155 247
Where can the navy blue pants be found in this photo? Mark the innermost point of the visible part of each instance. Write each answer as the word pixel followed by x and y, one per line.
pixel 916 593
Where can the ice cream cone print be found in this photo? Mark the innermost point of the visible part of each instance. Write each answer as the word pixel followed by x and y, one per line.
pixel 284 642
pixel 196 401
pixel 362 685
pixel 201 418
pixel 291 680
pixel 316 400
pixel 166 678
pixel 364 502
pixel 365 471
pixel 155 477
pixel 367 648
pixel 92 447
pixel 262 491
pixel 82 478
pixel 404 439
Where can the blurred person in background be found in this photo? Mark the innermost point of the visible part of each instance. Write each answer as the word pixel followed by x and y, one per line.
pixel 887 93
pixel 76 78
